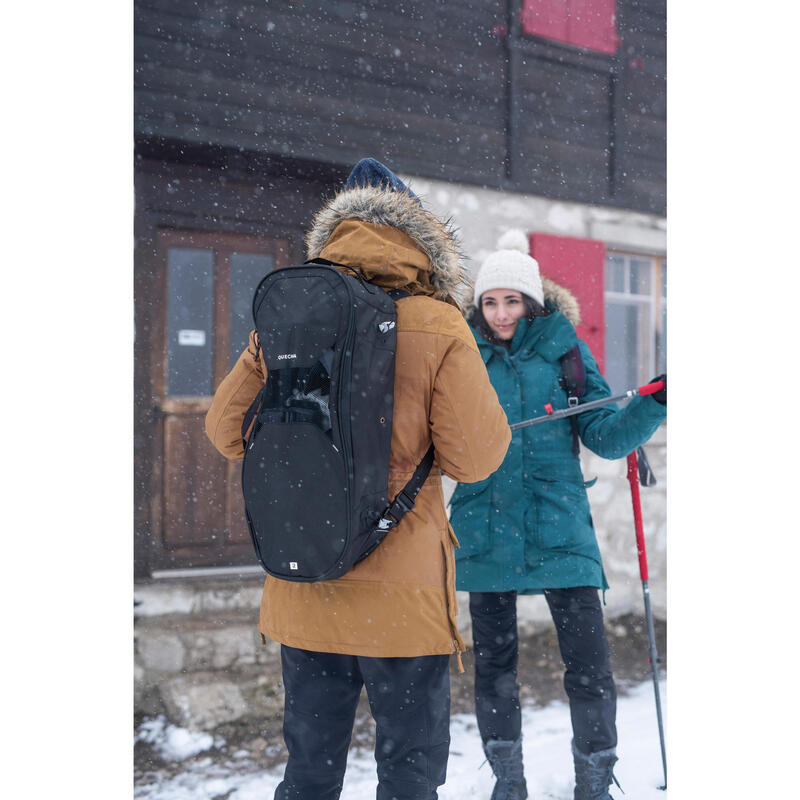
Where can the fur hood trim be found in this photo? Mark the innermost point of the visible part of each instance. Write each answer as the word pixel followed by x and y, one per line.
pixel 435 238
pixel 563 299
pixel 554 294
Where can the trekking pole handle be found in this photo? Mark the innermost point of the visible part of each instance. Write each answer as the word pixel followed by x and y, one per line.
pixel 650 388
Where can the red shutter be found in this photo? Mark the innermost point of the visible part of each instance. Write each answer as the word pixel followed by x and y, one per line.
pixel 546 18
pixel 584 23
pixel 578 265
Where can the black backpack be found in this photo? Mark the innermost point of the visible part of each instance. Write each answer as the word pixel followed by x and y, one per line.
pixel 573 382
pixel 316 465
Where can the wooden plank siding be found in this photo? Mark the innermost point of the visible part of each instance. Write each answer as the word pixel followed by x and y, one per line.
pixel 422 85
pixel 299 82
pixel 642 108
pixel 566 125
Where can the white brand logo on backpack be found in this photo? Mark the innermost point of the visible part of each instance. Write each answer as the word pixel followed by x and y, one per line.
pixel 287 355
pixel 385 326
pixel 292 565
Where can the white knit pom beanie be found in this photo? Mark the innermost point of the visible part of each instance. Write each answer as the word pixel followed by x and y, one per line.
pixel 510 267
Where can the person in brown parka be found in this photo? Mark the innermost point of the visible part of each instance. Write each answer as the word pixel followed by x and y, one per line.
pixel 390 622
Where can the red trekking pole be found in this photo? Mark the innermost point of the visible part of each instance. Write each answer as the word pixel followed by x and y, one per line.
pixel 633 479
pixel 648 388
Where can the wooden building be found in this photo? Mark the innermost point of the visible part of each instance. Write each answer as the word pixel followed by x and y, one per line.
pixel 247 114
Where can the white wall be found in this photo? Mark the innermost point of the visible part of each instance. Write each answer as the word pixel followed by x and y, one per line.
pixel 482 215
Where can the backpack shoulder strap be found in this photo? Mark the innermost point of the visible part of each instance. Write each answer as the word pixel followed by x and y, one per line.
pixel 573 381
pixel 573 374
pixel 406 497
pixel 250 413
pixel 404 502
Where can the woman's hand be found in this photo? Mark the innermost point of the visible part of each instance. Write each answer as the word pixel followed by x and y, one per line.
pixel 661 395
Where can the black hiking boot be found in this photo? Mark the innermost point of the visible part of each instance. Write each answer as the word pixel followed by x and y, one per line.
pixel 594 773
pixel 506 762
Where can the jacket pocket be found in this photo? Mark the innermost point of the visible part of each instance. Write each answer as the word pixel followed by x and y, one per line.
pixel 563 519
pixel 469 518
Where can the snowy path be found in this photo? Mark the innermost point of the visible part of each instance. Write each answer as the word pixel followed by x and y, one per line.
pixel 546 746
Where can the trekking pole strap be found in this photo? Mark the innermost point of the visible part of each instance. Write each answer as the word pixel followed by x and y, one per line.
pixel 646 476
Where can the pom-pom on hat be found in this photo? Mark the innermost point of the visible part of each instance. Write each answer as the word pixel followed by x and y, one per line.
pixel 510 267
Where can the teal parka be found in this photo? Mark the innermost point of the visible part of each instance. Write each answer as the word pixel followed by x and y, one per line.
pixel 528 527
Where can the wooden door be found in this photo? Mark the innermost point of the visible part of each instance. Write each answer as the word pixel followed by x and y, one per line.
pixel 203 324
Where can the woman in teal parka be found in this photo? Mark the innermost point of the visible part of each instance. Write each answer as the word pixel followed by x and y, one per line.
pixel 528 529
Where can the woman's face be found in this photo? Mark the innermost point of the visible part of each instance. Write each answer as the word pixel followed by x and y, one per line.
pixel 502 309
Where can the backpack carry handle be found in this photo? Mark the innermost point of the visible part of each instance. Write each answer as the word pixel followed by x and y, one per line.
pixel 328 263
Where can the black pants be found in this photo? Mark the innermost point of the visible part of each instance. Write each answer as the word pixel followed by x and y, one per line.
pixel 589 684
pixel 409 699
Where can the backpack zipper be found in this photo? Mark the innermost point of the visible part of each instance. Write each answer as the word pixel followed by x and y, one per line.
pixel 344 413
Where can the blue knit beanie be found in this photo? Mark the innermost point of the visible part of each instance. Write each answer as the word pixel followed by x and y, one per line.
pixel 369 172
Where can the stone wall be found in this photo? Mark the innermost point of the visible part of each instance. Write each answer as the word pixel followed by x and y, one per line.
pixel 482 215
pixel 198 655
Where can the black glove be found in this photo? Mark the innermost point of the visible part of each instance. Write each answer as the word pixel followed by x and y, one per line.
pixel 661 395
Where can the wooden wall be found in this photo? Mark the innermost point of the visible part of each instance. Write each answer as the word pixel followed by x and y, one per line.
pixel 440 89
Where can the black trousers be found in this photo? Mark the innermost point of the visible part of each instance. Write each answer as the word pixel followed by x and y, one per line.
pixel 578 618
pixel 409 699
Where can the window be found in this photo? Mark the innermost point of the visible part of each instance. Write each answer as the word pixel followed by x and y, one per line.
pixel 210 281
pixel 247 270
pixel 190 319
pixel 591 24
pixel 636 319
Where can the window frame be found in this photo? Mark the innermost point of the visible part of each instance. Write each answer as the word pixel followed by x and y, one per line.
pixel 655 300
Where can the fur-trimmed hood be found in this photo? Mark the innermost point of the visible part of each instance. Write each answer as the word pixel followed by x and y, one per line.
pixel 562 300
pixel 555 296
pixel 435 238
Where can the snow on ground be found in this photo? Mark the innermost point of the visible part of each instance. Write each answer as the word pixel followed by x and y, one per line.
pixel 173 742
pixel 546 748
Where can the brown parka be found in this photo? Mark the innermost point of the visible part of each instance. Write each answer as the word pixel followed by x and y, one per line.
pixel 400 601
